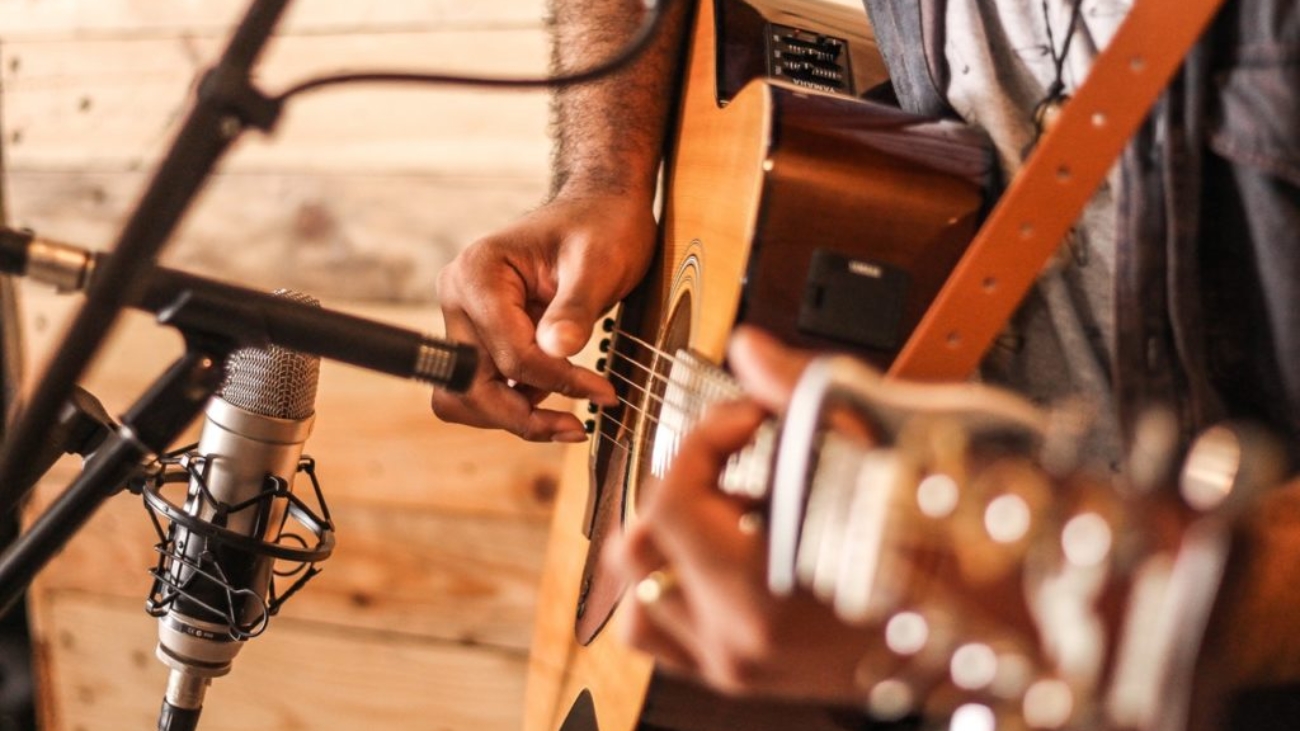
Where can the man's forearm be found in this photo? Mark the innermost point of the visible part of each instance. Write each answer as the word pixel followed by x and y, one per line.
pixel 610 133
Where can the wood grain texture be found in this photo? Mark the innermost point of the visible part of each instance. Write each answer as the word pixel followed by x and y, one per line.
pixel 362 193
pixel 342 237
pixel 300 676
pixel 115 104
pixel 25 18
pixel 375 438
pixel 423 612
pixel 430 575
pixel 421 618
pixel 558 669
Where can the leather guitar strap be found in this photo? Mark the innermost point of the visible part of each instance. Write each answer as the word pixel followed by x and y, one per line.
pixel 1045 198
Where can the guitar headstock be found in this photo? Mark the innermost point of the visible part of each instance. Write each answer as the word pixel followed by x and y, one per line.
pixel 1012 587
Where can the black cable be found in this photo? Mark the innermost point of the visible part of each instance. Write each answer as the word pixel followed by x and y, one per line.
pixel 639 41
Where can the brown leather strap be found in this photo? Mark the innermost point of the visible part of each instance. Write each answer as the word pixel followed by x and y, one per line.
pixel 1047 195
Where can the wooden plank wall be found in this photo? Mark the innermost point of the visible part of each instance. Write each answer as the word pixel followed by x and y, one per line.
pixel 362 191
pixel 422 618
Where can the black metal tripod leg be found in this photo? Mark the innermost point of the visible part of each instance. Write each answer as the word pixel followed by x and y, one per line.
pixel 147 429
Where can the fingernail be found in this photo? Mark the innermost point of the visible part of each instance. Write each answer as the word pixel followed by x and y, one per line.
pixel 570 437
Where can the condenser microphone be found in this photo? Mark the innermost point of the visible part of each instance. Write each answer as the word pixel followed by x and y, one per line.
pixel 214 583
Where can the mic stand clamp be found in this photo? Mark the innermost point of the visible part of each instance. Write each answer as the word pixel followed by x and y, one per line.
pixel 229 89
pixel 147 429
pixel 82 427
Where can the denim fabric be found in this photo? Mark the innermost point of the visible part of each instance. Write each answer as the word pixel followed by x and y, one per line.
pixel 899 33
pixel 1248 324
pixel 1210 232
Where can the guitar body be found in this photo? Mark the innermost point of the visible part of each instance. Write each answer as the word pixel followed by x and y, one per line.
pixel 822 218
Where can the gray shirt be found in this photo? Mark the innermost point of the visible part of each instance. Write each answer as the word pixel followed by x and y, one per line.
pixel 1000 67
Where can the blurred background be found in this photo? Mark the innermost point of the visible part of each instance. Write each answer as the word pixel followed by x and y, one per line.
pixel 422 617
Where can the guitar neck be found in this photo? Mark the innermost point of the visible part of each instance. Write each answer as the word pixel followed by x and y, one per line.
pixel 693 385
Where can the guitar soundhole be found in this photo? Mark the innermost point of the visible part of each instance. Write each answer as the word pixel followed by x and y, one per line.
pixel 659 431
pixel 582 715
pixel 627 439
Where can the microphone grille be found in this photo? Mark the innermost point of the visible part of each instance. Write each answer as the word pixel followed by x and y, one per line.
pixel 273 381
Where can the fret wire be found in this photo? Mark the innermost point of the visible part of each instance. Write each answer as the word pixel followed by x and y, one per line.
pixel 853 453
pixel 893 506
pixel 654 376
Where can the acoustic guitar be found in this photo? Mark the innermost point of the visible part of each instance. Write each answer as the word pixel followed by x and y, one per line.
pixel 793 202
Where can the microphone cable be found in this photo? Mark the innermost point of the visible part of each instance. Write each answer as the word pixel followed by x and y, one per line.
pixel 656 10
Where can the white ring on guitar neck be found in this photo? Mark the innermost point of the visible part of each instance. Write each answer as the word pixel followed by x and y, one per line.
pixel 790 473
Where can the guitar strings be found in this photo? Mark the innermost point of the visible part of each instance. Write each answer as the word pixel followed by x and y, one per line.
pixel 820 521
pixel 686 403
pixel 651 419
pixel 654 349
pixel 644 413
pixel 688 407
pixel 725 389
pixel 671 358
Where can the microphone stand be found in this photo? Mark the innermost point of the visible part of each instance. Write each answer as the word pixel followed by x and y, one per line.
pixel 226 103
pixel 148 428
